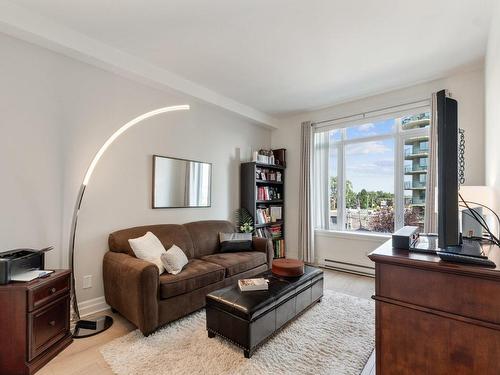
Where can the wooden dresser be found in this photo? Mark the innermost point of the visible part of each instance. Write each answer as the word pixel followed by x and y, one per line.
pixel 34 322
pixel 435 317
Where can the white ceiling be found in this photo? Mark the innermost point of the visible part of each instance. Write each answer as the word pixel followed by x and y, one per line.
pixel 284 56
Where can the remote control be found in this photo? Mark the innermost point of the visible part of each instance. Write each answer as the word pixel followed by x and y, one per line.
pixel 458 258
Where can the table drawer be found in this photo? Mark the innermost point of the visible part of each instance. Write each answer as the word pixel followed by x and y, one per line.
pixel 49 291
pixel 48 325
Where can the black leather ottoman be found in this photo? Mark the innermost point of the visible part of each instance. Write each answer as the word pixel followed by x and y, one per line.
pixel 248 318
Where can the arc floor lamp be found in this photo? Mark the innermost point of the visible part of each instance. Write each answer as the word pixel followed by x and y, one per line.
pixel 86 328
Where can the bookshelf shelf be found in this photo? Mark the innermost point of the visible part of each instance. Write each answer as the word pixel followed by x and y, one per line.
pixel 264 182
pixel 260 180
pixel 279 222
pixel 271 166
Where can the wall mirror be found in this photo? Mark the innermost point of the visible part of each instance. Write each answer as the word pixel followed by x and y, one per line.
pixel 181 183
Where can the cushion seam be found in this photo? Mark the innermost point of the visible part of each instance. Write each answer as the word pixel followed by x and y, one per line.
pixel 189 278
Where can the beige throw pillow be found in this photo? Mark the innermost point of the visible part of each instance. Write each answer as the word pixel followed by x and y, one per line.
pixel 174 260
pixel 150 248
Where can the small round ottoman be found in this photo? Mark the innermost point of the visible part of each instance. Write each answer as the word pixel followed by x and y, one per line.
pixel 288 267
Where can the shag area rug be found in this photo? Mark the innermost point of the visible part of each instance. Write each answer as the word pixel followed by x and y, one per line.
pixel 335 336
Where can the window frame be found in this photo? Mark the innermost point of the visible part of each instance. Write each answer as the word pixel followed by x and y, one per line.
pixel 398 135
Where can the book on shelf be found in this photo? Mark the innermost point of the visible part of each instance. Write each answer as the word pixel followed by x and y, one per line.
pixel 272 231
pixel 263 215
pixel 268 193
pixel 279 248
pixel 275 231
pixel 247 285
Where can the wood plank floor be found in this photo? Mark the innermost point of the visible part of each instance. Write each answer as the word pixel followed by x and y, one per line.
pixel 83 357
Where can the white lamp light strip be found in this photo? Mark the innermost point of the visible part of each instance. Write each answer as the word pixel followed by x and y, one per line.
pixel 123 129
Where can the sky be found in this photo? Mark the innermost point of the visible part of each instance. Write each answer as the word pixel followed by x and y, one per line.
pixel 369 165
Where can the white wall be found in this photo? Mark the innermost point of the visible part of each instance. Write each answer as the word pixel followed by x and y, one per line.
pixel 30 149
pixel 467 87
pixel 57 112
pixel 492 89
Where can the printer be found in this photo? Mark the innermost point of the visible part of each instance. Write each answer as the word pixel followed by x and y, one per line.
pixel 18 261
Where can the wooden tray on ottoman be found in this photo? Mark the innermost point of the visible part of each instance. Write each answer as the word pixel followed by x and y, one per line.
pixel 247 319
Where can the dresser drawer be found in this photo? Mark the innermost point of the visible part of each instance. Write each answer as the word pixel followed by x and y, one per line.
pixel 48 291
pixel 48 325
pixel 471 297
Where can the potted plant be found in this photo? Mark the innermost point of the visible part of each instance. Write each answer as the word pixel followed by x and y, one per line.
pixel 244 221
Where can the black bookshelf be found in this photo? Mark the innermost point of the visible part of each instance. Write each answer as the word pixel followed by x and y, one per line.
pixel 249 192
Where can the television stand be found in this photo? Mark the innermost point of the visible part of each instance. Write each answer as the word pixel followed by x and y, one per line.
pixel 435 317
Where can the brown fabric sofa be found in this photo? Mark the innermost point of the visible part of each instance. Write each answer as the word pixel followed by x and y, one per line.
pixel 133 287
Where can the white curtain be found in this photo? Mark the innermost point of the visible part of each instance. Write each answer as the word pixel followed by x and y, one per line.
pixel 430 219
pixel 306 232
pixel 321 208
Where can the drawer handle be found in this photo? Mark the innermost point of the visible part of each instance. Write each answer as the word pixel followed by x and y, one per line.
pixel 52 323
pixel 52 290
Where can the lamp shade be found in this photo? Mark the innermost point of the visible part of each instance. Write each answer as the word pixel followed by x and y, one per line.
pixel 480 194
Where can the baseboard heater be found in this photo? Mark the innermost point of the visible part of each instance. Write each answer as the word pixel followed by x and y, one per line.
pixel 349 267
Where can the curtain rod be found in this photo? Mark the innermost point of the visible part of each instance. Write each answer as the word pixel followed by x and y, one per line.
pixel 367 113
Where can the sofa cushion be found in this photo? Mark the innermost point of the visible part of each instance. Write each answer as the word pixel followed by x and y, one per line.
pixel 234 242
pixel 149 247
pixel 205 235
pixel 235 263
pixel 195 275
pixel 174 260
pixel 168 234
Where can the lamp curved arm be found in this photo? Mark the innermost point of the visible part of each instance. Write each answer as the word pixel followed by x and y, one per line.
pixel 86 179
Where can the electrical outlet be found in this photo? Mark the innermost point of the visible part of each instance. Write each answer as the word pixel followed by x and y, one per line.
pixel 87 282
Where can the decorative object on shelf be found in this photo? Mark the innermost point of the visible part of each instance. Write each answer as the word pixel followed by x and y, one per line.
pixel 86 328
pixel 265 157
pixel 244 220
pixel 280 156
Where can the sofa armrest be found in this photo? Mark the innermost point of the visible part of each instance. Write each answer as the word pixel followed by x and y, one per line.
pixel 131 286
pixel 264 245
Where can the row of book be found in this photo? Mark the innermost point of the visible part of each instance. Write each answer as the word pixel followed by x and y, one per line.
pixel 271 214
pixel 267 175
pixel 272 232
pixel 279 248
pixel 268 193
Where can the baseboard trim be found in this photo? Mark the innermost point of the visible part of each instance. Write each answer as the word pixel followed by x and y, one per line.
pixel 348 270
pixel 92 306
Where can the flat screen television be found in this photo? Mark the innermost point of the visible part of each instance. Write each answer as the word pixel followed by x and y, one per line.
pixel 449 238
pixel 447 134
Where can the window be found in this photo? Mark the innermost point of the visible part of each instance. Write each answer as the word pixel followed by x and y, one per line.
pixel 371 176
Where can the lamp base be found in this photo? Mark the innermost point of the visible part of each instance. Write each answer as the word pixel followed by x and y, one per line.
pixel 87 328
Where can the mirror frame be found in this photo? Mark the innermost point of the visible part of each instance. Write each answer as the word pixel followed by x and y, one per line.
pixel 154 177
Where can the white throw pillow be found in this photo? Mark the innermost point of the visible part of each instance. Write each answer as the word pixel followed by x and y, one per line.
pixel 150 248
pixel 174 260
